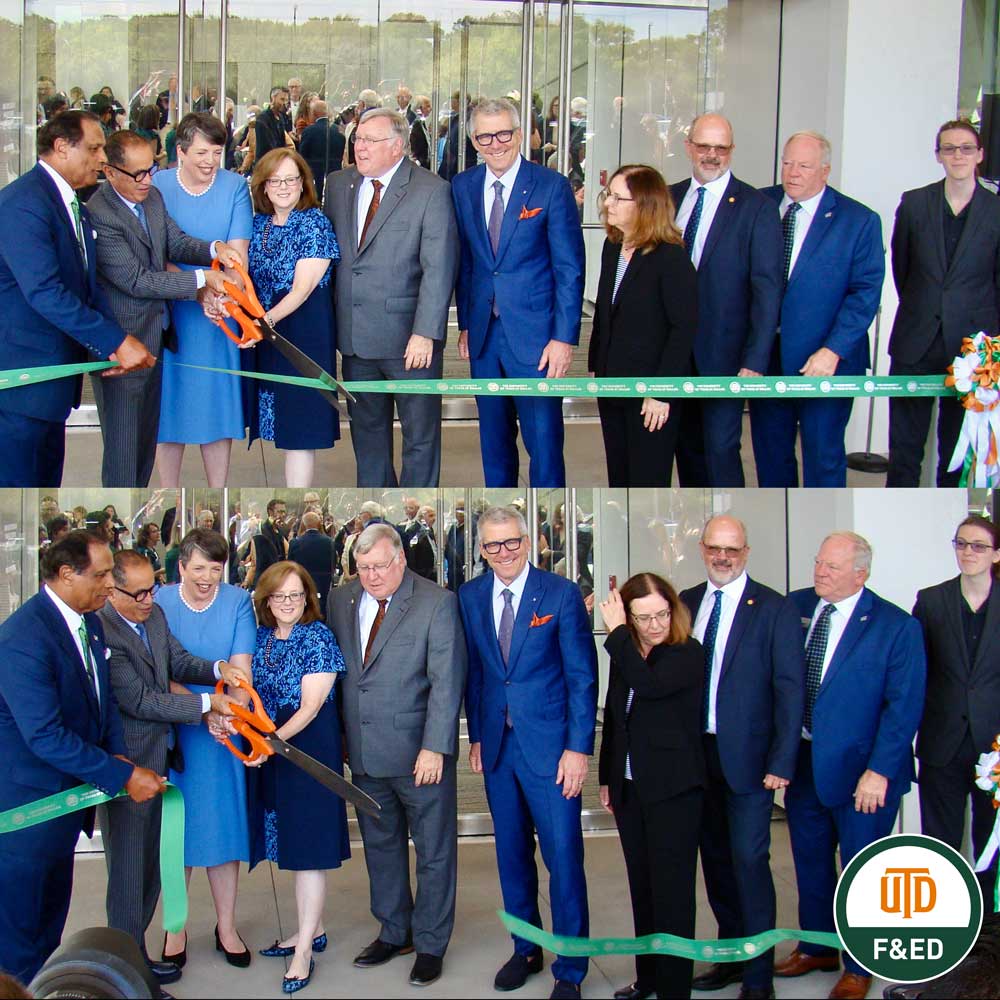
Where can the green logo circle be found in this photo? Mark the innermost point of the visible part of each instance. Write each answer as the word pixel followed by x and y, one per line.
pixel 908 908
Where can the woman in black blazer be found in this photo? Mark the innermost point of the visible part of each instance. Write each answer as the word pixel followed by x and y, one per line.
pixel 652 769
pixel 644 323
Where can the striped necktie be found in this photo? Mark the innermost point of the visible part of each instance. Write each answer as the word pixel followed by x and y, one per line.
pixel 75 206
pixel 788 234
pixel 691 229
pixel 815 655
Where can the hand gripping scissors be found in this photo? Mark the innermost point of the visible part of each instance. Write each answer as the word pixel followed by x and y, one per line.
pixel 246 309
pixel 258 730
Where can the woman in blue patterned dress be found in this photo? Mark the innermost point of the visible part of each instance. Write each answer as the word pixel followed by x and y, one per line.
pixel 291 252
pixel 300 825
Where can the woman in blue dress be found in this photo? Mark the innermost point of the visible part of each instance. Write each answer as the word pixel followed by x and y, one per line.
pixel 214 620
pixel 199 407
pixel 298 825
pixel 291 253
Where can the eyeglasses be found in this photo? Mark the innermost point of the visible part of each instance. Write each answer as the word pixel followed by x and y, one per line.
pixel 510 544
pixel 966 149
pixel 980 548
pixel 612 199
pixel 661 617
pixel 379 568
pixel 364 140
pixel 704 148
pixel 283 182
pixel 292 598
pixel 722 550
pixel 486 138
pixel 139 596
pixel 139 176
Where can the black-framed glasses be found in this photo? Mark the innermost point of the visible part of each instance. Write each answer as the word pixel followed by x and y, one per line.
pixel 139 176
pixel 293 598
pixel 980 548
pixel 704 148
pixel 486 138
pixel 283 182
pixel 510 544
pixel 139 596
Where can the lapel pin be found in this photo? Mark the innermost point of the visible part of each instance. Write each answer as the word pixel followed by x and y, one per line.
pixel 749 601
pixel 829 215
pixel 732 201
pixel 863 618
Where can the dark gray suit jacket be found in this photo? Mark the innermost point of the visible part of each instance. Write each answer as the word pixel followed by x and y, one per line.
pixel 409 695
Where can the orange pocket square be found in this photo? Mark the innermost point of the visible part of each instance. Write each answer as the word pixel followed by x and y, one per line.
pixel 529 213
pixel 535 620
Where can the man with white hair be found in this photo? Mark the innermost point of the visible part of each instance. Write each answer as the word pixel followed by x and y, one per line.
pixel 367 100
pixel 403 97
pixel 865 677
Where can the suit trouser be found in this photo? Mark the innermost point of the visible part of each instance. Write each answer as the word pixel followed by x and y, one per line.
pixel 708 448
pixel 33 450
pixel 428 814
pixel 636 456
pixel 736 859
pixel 815 831
pixel 129 410
pixel 540 417
pixel 371 423
pixel 660 844
pixel 523 803
pixel 131 832
pixel 944 792
pixel 909 421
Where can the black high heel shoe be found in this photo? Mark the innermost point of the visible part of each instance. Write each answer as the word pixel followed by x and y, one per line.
pixel 180 958
pixel 241 959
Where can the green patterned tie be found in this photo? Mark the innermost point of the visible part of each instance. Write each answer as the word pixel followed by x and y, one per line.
pixel 88 662
pixel 75 205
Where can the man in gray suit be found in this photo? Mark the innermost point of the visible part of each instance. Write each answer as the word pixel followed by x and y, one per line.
pixel 135 240
pixel 402 639
pixel 147 664
pixel 398 263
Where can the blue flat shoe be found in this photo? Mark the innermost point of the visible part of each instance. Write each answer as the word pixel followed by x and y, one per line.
pixel 293 984
pixel 276 950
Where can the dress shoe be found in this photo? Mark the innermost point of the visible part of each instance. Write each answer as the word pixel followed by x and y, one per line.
pixel 241 959
pixel 165 972
pixel 514 973
pixel 851 986
pixel 292 984
pixel 756 993
pixel 276 950
pixel 633 992
pixel 564 990
pixel 426 969
pixel 904 991
pixel 798 963
pixel 379 952
pixel 718 976
pixel 180 958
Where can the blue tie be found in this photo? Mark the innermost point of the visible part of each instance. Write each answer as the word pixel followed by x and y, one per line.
pixel 141 630
pixel 788 232
pixel 815 654
pixel 691 229
pixel 711 632
pixel 140 214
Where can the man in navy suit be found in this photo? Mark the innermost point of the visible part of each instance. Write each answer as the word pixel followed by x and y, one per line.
pixel 52 311
pixel 519 293
pixel 834 265
pixel 531 704
pixel 733 235
pixel 752 724
pixel 59 727
pixel 314 550
pixel 866 671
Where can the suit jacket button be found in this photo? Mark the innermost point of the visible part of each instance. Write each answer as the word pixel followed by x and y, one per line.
pixel 507 683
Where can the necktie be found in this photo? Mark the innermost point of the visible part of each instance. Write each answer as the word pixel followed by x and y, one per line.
pixel 372 209
pixel 496 216
pixel 376 625
pixel 711 633
pixel 88 663
pixel 75 206
pixel 506 631
pixel 140 214
pixel 815 654
pixel 691 229
pixel 141 631
pixel 788 232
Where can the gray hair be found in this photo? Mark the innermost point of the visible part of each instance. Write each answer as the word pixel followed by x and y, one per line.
pixel 372 507
pixel 503 515
pixel 279 90
pixel 826 150
pixel 862 548
pixel 376 533
pixel 493 106
pixel 397 122
pixel 369 98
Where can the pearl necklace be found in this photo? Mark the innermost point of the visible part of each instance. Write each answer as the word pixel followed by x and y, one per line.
pixel 192 194
pixel 270 642
pixel 197 611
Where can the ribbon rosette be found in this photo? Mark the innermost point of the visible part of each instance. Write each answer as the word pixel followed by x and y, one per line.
pixel 988 779
pixel 975 376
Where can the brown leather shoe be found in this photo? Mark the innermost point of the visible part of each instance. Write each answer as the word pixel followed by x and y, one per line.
pixel 851 986
pixel 799 963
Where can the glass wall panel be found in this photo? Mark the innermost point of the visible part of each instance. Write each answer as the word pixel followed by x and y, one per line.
pixel 11 131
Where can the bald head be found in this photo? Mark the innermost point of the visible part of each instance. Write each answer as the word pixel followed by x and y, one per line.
pixel 709 147
pixel 724 549
pixel 319 109
pixel 310 520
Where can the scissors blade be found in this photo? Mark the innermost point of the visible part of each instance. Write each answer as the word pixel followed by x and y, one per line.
pixel 304 364
pixel 326 776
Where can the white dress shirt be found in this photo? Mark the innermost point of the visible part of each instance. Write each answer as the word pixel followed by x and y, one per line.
pixel 803 220
pixel 732 594
pixel 367 192
pixel 508 179
pixel 516 587
pixel 68 196
pixel 73 619
pixel 367 610
pixel 714 191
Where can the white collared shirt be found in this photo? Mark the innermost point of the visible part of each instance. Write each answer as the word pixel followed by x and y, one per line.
pixel 367 192
pixel 508 179
pixel 714 190
pixel 73 619
pixel 732 594
pixel 516 587
pixel 367 610
pixel 68 196
pixel 803 220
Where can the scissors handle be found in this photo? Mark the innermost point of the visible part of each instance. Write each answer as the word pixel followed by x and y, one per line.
pixel 249 329
pixel 251 725
pixel 259 744
pixel 246 296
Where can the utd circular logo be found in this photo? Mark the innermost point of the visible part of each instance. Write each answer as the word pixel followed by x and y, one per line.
pixel 688 387
pixel 911 386
pixel 908 908
pixel 735 388
pixel 493 387
pixel 869 386
pixel 780 386
pixel 825 386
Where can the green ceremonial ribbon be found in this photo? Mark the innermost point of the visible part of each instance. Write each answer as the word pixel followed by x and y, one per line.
pixel 725 950
pixel 175 904
pixel 29 376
